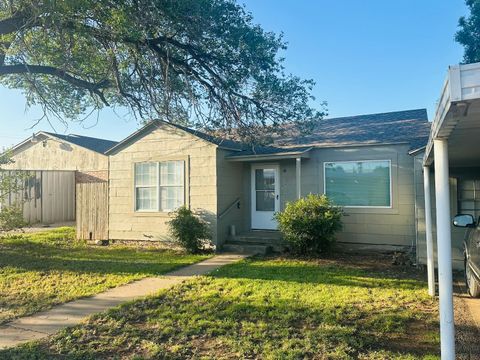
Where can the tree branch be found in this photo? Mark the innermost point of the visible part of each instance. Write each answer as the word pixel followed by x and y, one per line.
pixel 95 88
pixel 17 21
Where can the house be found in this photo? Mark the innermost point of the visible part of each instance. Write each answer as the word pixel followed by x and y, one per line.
pixel 365 163
pixel 61 166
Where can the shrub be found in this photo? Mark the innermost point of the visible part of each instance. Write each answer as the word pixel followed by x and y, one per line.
pixel 11 218
pixel 309 224
pixel 188 230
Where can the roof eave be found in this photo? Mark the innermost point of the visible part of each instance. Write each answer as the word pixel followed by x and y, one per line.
pixel 132 137
pixel 305 154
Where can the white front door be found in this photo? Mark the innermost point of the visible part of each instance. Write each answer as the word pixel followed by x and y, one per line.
pixel 265 196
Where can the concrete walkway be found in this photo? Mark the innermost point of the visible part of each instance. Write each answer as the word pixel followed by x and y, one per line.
pixel 49 322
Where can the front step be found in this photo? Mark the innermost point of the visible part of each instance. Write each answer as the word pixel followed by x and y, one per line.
pixel 244 248
pixel 271 239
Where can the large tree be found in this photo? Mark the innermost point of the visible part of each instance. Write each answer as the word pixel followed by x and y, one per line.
pixel 469 33
pixel 201 61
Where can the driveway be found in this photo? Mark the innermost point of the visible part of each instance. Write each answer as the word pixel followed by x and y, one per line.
pixel 467 323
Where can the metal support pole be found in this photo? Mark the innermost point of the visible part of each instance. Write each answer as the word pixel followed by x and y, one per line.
pixel 444 250
pixel 298 172
pixel 428 231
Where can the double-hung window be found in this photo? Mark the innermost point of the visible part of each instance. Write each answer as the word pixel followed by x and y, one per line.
pixel 159 186
pixel 359 183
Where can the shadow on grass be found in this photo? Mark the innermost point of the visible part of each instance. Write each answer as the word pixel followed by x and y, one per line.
pixel 25 256
pixel 331 273
pixel 195 321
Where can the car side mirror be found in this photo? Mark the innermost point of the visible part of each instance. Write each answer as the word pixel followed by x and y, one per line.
pixel 464 220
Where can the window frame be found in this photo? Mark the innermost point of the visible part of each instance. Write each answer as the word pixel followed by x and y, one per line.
pixel 357 161
pixel 157 162
pixel 135 187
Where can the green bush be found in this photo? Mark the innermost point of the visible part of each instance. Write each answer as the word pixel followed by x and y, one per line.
pixel 309 224
pixel 188 230
pixel 11 218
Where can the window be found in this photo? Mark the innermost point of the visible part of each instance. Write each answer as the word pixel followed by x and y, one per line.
pixel 159 186
pixel 468 194
pixel 359 183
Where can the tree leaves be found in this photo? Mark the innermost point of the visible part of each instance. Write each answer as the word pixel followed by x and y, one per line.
pixel 469 33
pixel 201 62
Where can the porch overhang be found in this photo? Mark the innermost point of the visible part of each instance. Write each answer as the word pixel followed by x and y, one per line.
pixel 457 118
pixel 270 154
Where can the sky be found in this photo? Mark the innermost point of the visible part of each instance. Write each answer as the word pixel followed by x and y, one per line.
pixel 366 57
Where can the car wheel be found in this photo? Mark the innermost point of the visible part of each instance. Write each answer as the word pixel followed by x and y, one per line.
pixel 473 286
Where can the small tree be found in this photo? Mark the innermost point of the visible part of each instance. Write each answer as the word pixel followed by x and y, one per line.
pixel 11 182
pixel 11 218
pixel 309 224
pixel 188 230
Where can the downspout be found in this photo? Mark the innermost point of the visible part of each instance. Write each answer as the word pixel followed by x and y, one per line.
pixel 298 175
pixel 415 209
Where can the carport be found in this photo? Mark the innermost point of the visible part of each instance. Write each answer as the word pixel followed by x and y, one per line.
pixel 452 154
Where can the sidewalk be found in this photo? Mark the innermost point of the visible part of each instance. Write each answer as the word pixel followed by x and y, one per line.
pixel 49 322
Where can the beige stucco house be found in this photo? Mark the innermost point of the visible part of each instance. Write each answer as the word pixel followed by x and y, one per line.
pixel 364 163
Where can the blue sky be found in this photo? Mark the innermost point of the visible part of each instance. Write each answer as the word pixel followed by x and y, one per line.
pixel 365 56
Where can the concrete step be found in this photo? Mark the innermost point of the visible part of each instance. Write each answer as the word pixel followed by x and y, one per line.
pixel 242 248
pixel 251 240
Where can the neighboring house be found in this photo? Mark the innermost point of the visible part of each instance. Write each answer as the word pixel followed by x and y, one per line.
pixel 49 151
pixel 59 164
pixel 361 162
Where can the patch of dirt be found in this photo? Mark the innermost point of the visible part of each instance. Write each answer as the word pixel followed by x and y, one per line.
pixel 413 340
pixel 385 262
pixel 37 228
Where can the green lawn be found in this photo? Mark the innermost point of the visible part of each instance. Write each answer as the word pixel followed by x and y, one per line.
pixel 39 270
pixel 348 308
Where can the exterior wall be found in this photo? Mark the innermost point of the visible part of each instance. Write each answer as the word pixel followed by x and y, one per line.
pixel 164 143
pixel 230 188
pixel 393 226
pixel 56 155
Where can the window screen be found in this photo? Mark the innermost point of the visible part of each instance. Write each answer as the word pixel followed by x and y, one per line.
pixel 159 186
pixel 171 185
pixel 359 183
pixel 146 186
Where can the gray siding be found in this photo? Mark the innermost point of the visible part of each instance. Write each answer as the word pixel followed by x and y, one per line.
pixel 393 226
pixel 230 187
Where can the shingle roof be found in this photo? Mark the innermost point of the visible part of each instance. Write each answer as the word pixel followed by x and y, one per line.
pixel 91 143
pixel 410 126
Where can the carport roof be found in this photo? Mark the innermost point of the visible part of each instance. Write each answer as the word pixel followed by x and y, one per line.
pixel 457 117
